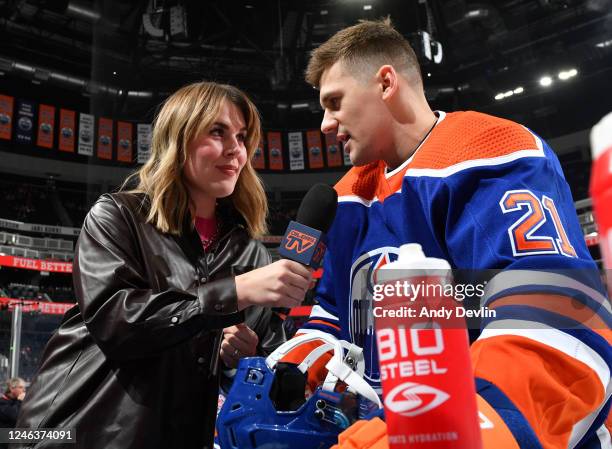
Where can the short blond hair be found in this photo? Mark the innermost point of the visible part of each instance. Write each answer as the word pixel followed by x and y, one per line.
pixel 184 115
pixel 364 48
pixel 13 382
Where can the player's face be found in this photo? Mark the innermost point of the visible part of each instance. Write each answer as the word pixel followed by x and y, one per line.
pixel 354 109
pixel 216 157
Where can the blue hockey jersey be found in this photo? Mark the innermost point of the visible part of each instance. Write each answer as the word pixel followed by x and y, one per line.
pixel 486 193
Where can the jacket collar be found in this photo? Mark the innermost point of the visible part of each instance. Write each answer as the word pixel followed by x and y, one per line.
pixel 189 240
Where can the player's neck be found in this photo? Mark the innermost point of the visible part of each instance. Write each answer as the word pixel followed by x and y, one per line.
pixel 408 137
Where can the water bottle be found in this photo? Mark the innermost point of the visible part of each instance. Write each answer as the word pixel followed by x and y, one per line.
pixel 423 348
pixel 601 188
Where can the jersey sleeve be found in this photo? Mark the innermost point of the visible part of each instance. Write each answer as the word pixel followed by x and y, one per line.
pixel 324 315
pixel 547 349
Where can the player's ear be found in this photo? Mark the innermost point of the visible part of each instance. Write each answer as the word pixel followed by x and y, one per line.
pixel 387 81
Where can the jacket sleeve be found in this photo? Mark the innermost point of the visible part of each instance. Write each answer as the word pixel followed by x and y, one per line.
pixel 124 315
pixel 268 326
pixel 266 323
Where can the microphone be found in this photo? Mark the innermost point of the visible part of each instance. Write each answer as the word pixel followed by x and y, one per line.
pixel 304 240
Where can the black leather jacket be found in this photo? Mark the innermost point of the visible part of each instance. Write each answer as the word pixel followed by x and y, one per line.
pixel 135 363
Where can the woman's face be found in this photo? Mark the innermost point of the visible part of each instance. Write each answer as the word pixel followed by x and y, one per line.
pixel 216 157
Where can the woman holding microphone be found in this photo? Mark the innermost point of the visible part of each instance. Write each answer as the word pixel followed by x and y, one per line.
pixel 159 271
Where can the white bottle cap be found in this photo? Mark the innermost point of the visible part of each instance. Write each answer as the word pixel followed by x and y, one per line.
pixel 410 252
pixel 601 136
pixel 411 257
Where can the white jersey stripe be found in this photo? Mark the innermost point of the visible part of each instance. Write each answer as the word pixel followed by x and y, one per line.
pixel 356 199
pixel 319 312
pixel 582 426
pixel 517 278
pixel 605 441
pixel 488 162
pixel 302 330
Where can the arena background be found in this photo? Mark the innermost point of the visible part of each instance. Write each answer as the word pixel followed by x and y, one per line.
pixel 80 82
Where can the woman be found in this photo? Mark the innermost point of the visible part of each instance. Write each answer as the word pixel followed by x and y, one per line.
pixel 159 272
pixel 10 402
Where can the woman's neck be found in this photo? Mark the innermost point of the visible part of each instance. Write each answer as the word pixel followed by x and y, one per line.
pixel 205 206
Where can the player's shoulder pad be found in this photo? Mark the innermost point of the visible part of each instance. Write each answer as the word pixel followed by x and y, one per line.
pixel 468 138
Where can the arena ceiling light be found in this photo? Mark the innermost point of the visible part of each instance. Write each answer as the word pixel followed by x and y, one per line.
pixel 604 44
pixel 564 75
pixel 509 93
pixel 546 81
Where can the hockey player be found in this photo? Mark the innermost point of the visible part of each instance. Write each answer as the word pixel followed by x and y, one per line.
pixel 483 193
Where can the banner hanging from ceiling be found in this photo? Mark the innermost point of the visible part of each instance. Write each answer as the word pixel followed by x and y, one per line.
pixel 6 116
pixel 86 134
pixel 46 126
pixel 105 138
pixel 315 153
pixel 124 141
pixel 24 131
pixel 275 150
pixel 334 155
pixel 143 142
pixel 258 161
pixel 67 123
pixel 296 151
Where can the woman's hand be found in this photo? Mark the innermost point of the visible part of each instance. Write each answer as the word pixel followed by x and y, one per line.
pixel 280 284
pixel 238 341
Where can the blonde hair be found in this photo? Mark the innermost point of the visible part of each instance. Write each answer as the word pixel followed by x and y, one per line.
pixel 184 115
pixel 363 48
pixel 13 382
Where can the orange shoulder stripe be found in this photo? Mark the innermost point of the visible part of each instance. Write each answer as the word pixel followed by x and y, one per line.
pixel 467 136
